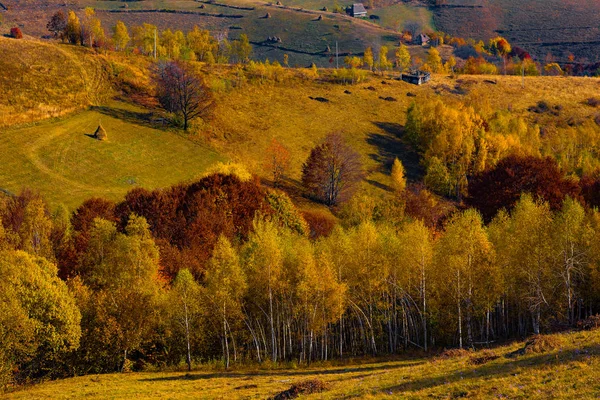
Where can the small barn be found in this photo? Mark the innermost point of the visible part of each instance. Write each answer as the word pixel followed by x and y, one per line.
pixel 422 39
pixel 358 10
pixel 416 77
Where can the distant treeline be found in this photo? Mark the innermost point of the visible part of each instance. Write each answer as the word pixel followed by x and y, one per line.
pixel 469 56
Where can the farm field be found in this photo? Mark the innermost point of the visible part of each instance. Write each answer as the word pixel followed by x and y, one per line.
pixel 558 27
pixel 61 161
pixel 304 38
pixel 556 366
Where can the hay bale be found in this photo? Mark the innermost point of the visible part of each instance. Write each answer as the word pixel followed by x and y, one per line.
pixel 452 354
pixel 302 388
pixel 485 357
pixel 100 133
pixel 543 344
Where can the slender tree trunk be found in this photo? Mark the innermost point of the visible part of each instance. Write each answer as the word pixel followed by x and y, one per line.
pixel 273 341
pixel 124 360
pixel 225 337
pixel 187 338
pixel 460 340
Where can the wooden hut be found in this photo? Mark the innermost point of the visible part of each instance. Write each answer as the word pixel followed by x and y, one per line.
pixel 416 77
pixel 358 10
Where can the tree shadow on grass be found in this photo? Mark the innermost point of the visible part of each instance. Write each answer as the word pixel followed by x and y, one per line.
pixel 242 375
pixel 390 145
pixel 147 119
pixel 495 369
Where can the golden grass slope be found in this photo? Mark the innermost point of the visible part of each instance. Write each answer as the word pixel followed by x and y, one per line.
pixel 568 369
pixel 249 117
pixel 57 158
pixel 42 80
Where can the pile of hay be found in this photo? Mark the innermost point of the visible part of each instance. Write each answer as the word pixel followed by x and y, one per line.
pixel 302 388
pixel 543 344
pixel 452 354
pixel 100 133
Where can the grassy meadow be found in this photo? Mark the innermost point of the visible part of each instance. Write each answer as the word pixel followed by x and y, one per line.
pixel 57 158
pixel 563 366
pixel 62 161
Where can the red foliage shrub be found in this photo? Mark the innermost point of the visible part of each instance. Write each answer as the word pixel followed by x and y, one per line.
pixel 502 186
pixel 187 220
pixel 15 209
pixel 81 222
pixel 16 33
pixel 590 191
pixel 320 223
pixel 426 206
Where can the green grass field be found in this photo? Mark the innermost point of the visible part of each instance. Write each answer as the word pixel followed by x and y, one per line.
pixel 67 166
pixel 567 369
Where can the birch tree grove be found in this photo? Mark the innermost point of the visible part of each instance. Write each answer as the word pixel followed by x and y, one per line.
pixel 273 294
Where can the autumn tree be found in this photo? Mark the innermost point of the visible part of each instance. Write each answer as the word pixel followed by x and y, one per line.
pixel 332 171
pixel 241 48
pixel 434 60
pixel 502 186
pixel 186 307
pixel 263 263
pixel 122 270
pixel 499 46
pixel 58 25
pixel 368 59
pixel 73 29
pixel 523 245
pixel 120 36
pixel 92 31
pixel 144 37
pixel 182 92
pixel 572 236
pixel 225 287
pixel 203 45
pixel 383 63
pixel 403 60
pixel 39 320
pixel 452 141
pixel 416 257
pixel 464 255
pixel 278 161
pixel 398 176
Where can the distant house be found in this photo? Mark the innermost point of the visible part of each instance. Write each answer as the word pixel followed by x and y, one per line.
pixel 358 10
pixel 416 77
pixel 422 39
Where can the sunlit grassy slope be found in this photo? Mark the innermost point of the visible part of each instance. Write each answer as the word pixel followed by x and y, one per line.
pixel 568 370
pixel 59 159
pixel 251 116
pixel 42 80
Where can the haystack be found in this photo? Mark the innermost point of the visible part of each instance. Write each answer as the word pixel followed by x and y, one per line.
pixel 100 133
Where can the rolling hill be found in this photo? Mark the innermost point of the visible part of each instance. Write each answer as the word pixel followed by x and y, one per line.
pixel 142 151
